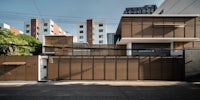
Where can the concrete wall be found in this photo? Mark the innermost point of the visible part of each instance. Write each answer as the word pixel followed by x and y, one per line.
pixel 192 63
pixel 28 71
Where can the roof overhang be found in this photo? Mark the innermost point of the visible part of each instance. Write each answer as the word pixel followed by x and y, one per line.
pixel 163 15
pixel 155 40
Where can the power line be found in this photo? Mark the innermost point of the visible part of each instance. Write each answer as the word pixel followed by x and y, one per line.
pixel 48 15
pixel 34 2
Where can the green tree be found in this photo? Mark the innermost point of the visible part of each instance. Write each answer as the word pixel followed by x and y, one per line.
pixel 22 44
pixel 36 45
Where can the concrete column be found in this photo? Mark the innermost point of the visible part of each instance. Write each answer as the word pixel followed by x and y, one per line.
pixel 129 51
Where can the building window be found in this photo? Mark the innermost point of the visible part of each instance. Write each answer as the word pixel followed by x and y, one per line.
pixel 45 24
pixel 100 36
pixel 100 41
pixel 27 26
pixel 81 26
pixel 45 30
pixel 81 32
pixel 27 31
pixel 80 37
pixel 100 30
pixel 100 25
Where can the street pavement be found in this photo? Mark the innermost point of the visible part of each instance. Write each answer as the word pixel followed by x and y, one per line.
pixel 99 90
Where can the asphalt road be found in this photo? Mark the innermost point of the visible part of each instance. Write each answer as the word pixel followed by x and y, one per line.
pixel 99 90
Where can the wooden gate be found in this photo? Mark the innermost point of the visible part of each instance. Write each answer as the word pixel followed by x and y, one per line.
pixel 115 68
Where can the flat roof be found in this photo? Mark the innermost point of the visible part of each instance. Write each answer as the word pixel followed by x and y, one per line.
pixel 162 15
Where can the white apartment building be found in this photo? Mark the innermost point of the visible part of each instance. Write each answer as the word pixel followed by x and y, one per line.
pixel 11 28
pixel 39 29
pixel 92 32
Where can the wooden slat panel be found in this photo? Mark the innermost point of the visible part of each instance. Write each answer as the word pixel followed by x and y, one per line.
pixel 87 68
pixel 189 27
pixel 64 73
pixel 158 30
pixel 156 68
pixel 121 69
pixel 198 27
pixel 169 30
pixel 2 69
pixel 144 68
pixel 98 69
pixel 147 27
pixel 126 27
pixel 167 68
pixel 53 69
pixel 178 72
pixel 133 69
pixel 110 68
pixel 32 68
pixel 20 72
pixel 76 68
pixel 179 31
pixel 137 27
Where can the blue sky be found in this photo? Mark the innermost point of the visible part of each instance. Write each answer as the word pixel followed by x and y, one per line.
pixel 67 13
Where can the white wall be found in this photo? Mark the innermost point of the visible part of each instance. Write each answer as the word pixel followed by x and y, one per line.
pixel 27 28
pixel 3 25
pixel 84 29
pixel 42 68
pixel 42 27
pixel 97 33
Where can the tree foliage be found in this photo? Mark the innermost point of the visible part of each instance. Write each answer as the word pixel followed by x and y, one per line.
pixel 22 44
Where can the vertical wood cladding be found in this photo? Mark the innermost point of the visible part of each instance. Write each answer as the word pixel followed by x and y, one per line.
pixel 158 27
pixel 197 27
pixel 162 27
pixel 126 27
pixel 147 27
pixel 179 27
pixel 115 68
pixel 179 31
pixel 29 71
pixel 168 31
pixel 136 27
pixel 189 27
pixel 89 31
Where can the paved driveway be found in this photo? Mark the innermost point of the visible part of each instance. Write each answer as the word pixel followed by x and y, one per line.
pixel 99 90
